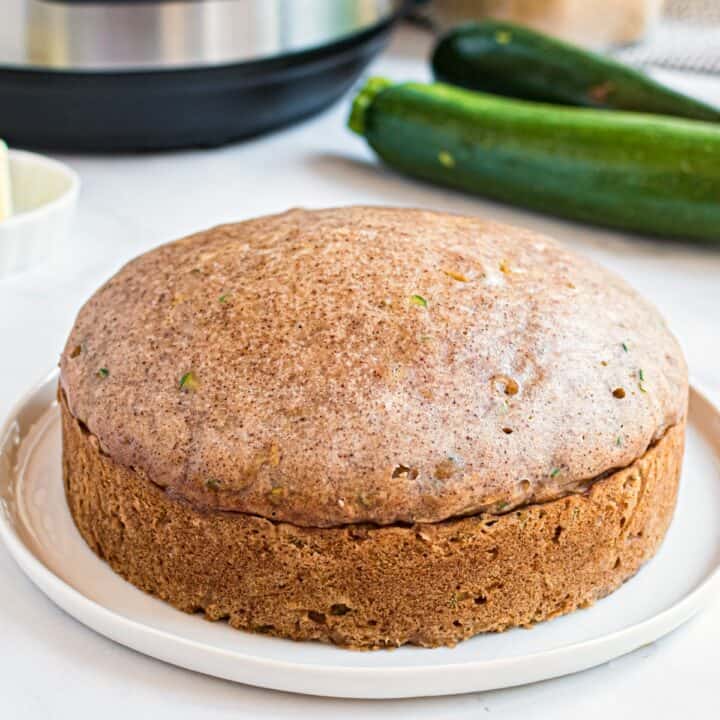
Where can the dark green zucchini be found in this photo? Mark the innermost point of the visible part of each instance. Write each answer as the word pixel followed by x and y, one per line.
pixel 506 59
pixel 643 173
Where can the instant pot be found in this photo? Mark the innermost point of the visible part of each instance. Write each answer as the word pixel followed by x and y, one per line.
pixel 145 74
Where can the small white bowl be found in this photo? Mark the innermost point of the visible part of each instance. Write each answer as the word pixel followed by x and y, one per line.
pixel 44 194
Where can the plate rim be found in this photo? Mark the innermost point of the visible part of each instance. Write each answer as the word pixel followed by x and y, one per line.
pixel 100 619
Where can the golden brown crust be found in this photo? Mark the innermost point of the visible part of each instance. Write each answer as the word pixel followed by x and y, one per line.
pixel 371 365
pixel 365 586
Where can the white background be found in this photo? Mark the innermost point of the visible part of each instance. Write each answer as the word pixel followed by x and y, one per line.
pixel 53 667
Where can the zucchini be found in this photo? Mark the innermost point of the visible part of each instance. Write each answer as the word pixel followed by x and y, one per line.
pixel 511 60
pixel 643 173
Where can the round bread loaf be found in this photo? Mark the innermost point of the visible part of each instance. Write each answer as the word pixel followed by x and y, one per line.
pixel 266 419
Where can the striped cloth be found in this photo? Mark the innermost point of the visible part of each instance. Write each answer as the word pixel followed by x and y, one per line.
pixel 688 38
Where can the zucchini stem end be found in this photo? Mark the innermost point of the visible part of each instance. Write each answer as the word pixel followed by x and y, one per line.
pixel 362 102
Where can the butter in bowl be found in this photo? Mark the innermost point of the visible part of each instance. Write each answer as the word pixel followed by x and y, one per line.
pixel 38 196
pixel 5 194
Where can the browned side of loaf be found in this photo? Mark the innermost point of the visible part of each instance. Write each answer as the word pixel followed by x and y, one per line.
pixel 366 586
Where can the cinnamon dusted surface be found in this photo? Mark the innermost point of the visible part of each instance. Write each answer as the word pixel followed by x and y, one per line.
pixel 370 365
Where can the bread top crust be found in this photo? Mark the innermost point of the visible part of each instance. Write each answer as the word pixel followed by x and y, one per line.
pixel 369 364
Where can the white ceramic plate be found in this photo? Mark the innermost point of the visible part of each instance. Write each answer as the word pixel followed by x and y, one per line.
pixel 37 528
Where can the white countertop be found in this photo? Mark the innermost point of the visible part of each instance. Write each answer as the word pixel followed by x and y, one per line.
pixel 53 667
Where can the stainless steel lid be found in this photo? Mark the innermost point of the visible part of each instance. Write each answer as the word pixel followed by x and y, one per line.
pixel 170 34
